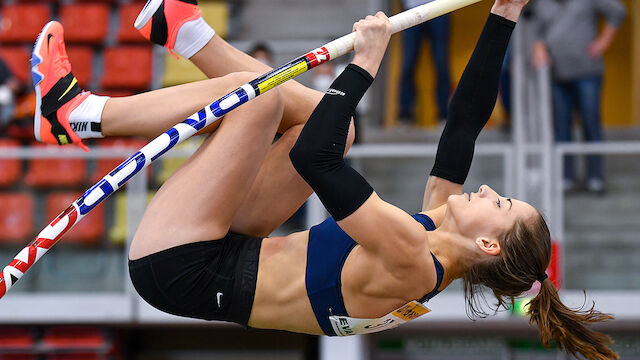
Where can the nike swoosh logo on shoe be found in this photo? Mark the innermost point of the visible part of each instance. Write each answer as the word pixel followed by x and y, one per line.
pixel 73 82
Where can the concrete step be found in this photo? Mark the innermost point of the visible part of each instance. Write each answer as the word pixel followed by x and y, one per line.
pixel 299 19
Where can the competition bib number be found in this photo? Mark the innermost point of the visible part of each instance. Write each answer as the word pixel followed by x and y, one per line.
pixel 344 325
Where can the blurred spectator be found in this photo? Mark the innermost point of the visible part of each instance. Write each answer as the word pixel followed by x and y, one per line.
pixel 9 85
pixel 323 76
pixel 437 30
pixel 568 40
pixel 261 52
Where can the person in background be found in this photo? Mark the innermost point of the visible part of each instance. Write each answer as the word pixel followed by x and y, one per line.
pixel 262 52
pixel 437 30
pixel 569 41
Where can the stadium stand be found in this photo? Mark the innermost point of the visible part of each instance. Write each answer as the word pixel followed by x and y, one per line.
pixel 85 23
pixel 16 338
pixel 10 169
pixel 127 14
pixel 82 59
pixel 87 231
pixel 17 59
pixel 74 337
pixel 118 70
pixel 55 172
pixel 23 22
pixel 105 166
pixel 16 217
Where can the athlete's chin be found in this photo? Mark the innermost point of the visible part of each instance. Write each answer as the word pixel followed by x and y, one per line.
pixel 458 200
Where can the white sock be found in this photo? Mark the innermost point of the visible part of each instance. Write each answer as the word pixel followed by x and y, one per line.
pixel 193 36
pixel 86 119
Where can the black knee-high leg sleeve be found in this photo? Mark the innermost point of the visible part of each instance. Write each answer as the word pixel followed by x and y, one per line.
pixel 473 101
pixel 318 153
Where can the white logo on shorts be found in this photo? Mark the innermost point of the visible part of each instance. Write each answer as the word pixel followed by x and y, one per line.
pixel 218 297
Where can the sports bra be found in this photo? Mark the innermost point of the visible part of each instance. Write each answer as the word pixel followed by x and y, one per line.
pixel 327 251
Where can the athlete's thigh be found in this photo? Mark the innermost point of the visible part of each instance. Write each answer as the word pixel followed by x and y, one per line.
pixel 276 194
pixel 278 190
pixel 200 199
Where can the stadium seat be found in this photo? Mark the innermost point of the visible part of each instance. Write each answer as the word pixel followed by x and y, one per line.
pixel 104 166
pixel 79 356
pixel 17 59
pixel 127 67
pixel 81 58
pixel 70 337
pixel 16 338
pixel 87 231
pixel 178 72
pixel 23 22
pixel 127 14
pixel 55 172
pixel 20 357
pixel 16 217
pixel 37 1
pixel 85 23
pixel 10 169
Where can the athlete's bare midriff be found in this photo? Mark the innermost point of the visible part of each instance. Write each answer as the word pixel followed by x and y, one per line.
pixel 281 300
pixel 369 289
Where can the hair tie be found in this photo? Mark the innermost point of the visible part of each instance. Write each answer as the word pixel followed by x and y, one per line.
pixel 542 277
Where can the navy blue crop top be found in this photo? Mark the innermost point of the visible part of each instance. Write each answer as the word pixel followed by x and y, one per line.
pixel 327 251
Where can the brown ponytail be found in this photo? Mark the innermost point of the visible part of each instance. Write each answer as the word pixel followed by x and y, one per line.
pixel 525 254
pixel 567 326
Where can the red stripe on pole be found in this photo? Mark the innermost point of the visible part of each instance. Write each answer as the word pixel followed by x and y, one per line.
pixel 32 254
pixel 20 265
pixel 43 243
pixel 3 287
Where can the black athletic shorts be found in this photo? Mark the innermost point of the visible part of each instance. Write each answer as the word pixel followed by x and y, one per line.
pixel 210 280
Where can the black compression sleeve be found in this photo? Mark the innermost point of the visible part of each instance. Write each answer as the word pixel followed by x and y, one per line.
pixel 318 153
pixel 473 101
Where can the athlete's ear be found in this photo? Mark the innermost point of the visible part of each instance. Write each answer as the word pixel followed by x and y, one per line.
pixel 489 246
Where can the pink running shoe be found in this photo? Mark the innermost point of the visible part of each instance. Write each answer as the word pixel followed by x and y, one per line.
pixel 160 20
pixel 57 90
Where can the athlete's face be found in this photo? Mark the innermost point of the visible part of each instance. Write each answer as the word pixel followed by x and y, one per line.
pixel 485 213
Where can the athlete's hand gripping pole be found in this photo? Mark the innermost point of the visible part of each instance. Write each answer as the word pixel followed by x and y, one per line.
pixel 184 130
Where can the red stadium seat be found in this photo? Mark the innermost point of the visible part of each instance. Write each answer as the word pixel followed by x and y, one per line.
pixel 23 22
pixel 37 1
pixel 85 23
pixel 127 67
pixel 104 166
pixel 127 14
pixel 10 169
pixel 55 172
pixel 17 59
pixel 81 58
pixel 67 337
pixel 79 356
pixel 16 338
pixel 89 230
pixel 16 217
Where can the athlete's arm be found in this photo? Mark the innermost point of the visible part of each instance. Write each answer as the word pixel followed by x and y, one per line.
pixel 469 110
pixel 318 156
